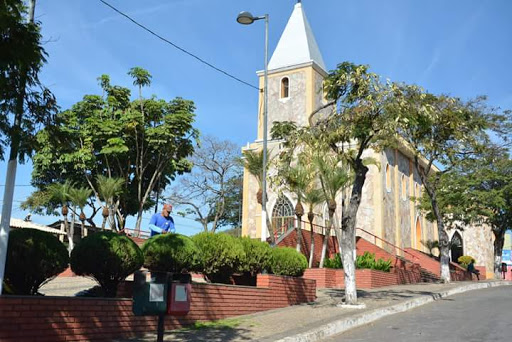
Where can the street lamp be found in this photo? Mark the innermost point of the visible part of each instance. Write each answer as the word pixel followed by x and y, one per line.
pixel 246 18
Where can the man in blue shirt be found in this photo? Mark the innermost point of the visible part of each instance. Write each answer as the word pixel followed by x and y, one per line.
pixel 162 223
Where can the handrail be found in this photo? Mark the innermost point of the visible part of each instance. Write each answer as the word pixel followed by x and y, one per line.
pixel 389 243
pixel 375 236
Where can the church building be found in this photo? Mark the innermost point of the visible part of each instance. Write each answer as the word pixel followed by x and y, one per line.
pixel 387 216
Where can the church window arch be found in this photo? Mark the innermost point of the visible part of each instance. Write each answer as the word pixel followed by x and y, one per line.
pixel 419 236
pixel 388 178
pixel 283 215
pixel 285 87
pixel 404 187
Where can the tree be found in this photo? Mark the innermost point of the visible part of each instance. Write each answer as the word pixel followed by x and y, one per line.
pixel 362 118
pixel 297 179
pixel 25 103
pixel 443 133
pixel 253 163
pixel 478 191
pixel 108 190
pixel 60 193
pixel 312 197
pixel 333 179
pixel 205 191
pixel 79 198
pixel 144 142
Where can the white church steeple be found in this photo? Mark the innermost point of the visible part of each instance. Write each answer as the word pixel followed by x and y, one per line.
pixel 297 44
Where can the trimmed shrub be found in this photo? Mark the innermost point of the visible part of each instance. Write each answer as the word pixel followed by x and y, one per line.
pixel 257 256
pixel 33 258
pixel 287 261
pixel 170 253
pixel 465 260
pixel 107 257
pixel 221 255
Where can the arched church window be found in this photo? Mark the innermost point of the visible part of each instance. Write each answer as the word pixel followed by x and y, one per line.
pixel 285 88
pixel 388 177
pixel 283 215
pixel 404 187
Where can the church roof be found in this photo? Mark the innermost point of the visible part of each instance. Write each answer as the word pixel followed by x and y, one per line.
pixel 297 44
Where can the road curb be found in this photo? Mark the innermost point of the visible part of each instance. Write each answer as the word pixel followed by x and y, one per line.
pixel 342 325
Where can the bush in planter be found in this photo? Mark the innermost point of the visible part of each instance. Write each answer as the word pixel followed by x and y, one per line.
pixel 365 261
pixel 221 255
pixel 107 257
pixel 257 258
pixel 33 258
pixel 171 253
pixel 465 260
pixel 335 262
pixel 287 261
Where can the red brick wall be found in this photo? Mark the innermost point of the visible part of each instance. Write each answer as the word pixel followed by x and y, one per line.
pixel 291 241
pixel 84 319
pixel 365 278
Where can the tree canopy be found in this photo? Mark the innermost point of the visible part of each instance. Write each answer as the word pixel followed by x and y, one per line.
pixel 212 191
pixel 144 142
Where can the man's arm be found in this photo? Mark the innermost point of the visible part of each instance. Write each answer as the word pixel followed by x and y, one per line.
pixel 171 229
pixel 153 226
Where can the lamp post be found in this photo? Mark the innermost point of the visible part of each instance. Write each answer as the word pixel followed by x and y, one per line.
pixel 246 18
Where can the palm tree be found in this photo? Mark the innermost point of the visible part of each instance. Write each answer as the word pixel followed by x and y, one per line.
pixel 297 180
pixel 253 162
pixel 79 197
pixel 108 189
pixel 60 192
pixel 312 197
pixel 333 179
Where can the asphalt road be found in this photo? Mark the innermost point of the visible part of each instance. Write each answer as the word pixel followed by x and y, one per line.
pixel 474 316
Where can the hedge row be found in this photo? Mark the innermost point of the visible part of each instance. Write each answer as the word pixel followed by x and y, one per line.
pixel 109 258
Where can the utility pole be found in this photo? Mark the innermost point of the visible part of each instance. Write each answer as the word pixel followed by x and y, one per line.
pixel 12 165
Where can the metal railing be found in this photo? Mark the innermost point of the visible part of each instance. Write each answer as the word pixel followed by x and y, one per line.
pixel 322 230
pixel 388 243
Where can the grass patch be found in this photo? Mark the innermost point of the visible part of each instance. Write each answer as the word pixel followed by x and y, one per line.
pixel 220 324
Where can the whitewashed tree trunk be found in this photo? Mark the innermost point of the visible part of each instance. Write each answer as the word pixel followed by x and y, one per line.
pixel 324 246
pixel 312 248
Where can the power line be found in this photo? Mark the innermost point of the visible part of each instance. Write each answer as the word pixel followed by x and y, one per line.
pixel 178 47
pixel 18 185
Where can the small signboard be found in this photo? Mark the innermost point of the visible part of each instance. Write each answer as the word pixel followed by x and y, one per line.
pixel 505 256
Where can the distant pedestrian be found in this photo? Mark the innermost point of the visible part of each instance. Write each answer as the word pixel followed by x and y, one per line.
pixel 471 269
pixel 504 269
pixel 162 223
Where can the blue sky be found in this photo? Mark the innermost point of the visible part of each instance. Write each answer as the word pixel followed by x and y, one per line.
pixel 460 47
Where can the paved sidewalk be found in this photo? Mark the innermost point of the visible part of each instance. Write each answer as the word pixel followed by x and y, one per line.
pixel 323 318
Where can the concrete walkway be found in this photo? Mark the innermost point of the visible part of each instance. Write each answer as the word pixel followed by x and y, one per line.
pixel 323 318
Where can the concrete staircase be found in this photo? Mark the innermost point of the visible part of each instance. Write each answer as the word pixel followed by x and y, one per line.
pixel 421 263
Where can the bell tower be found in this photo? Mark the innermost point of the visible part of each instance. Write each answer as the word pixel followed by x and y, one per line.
pixel 295 75
pixel 296 72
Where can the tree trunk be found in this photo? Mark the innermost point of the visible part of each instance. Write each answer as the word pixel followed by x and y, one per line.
pixel 299 234
pixel 311 216
pixel 348 251
pixel 498 250
pixel 71 233
pixel 444 243
pixel 348 236
pixel 139 221
pixel 324 245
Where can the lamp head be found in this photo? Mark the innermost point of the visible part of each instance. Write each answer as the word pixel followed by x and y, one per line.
pixel 245 18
